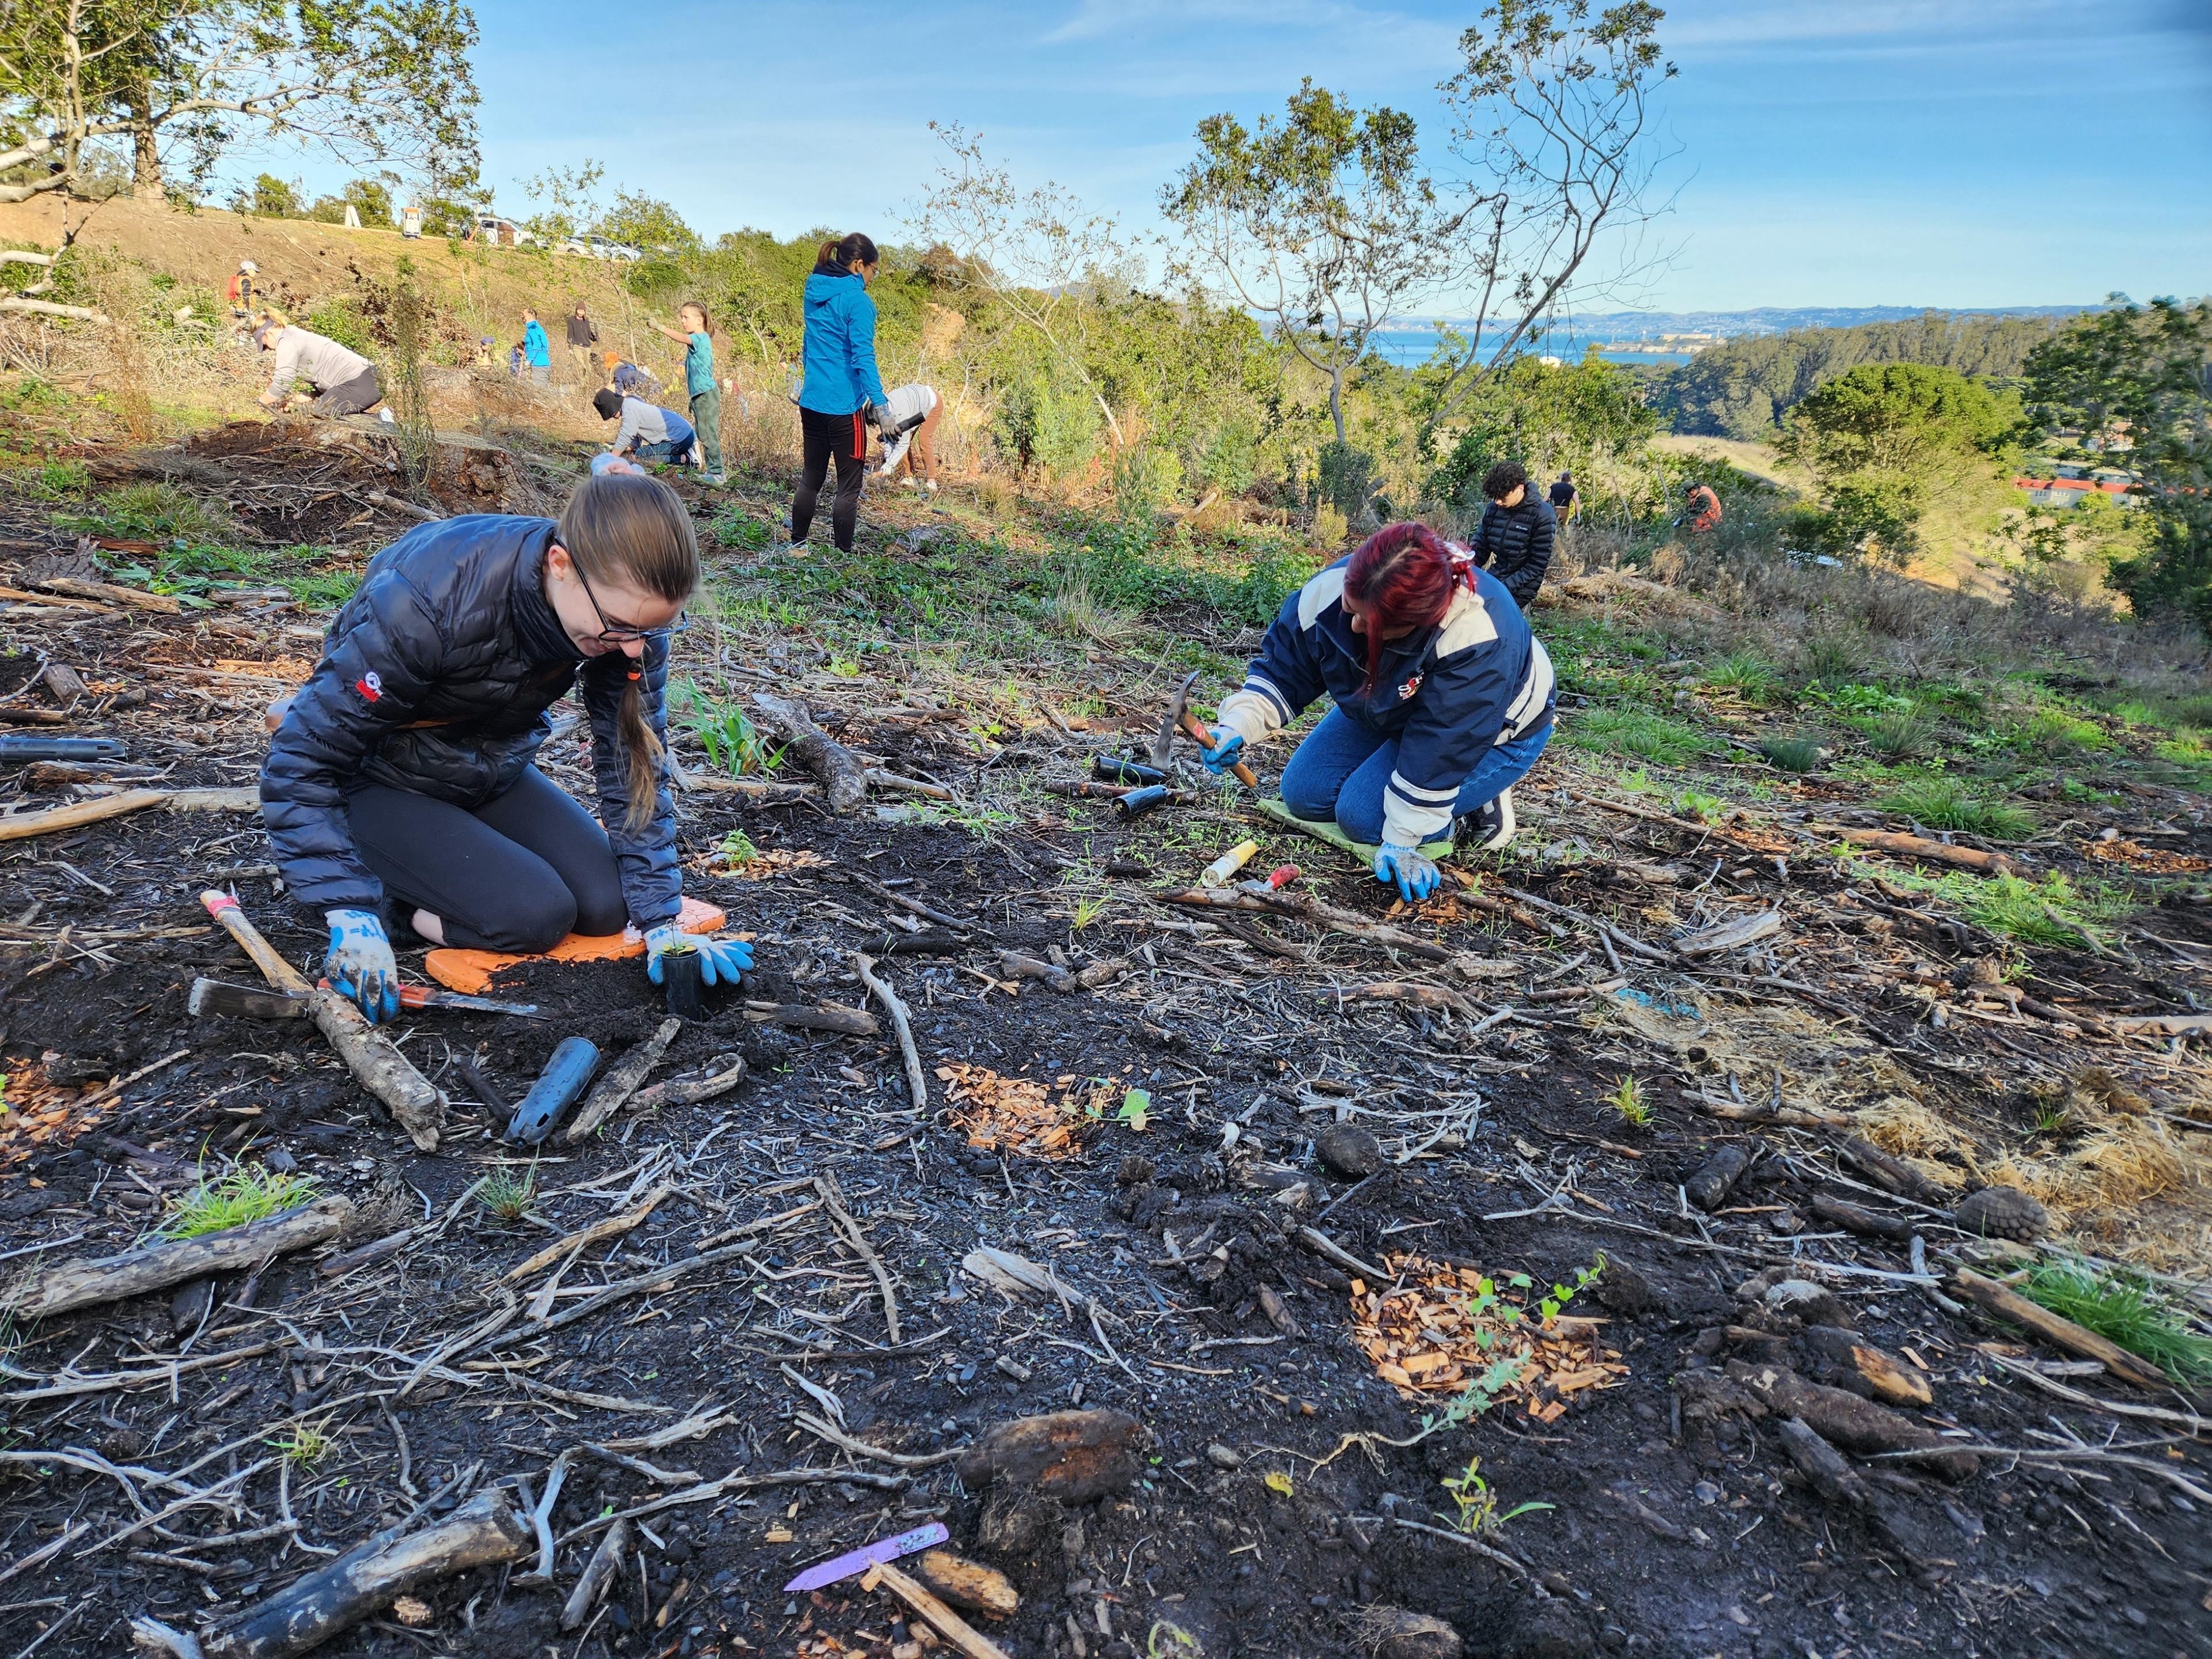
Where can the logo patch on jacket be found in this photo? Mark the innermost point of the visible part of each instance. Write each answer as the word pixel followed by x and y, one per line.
pixel 369 686
pixel 1409 687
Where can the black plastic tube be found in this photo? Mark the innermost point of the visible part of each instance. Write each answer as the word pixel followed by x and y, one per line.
pixel 27 747
pixel 1114 769
pixel 679 978
pixel 557 1086
pixel 1138 802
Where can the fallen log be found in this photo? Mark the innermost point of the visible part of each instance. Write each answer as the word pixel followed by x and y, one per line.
pixel 417 1104
pixel 1919 846
pixel 136 598
pixel 621 1081
pixel 692 1091
pixel 1073 1456
pixel 1845 1419
pixel 844 782
pixel 817 1016
pixel 1857 1219
pixel 394 504
pixel 1423 996
pixel 1348 923
pixel 64 1287
pixel 47 308
pixel 757 790
pixel 1014 965
pixel 22 826
pixel 1730 935
pixel 484 1532
pixel 2057 1329
pixel 1894 1174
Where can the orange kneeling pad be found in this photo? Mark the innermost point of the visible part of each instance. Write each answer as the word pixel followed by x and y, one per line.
pixel 470 971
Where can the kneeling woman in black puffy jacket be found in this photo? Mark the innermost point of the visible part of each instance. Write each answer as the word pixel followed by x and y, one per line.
pixel 404 769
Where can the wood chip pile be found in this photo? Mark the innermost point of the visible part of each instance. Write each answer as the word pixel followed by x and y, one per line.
pixel 1425 1342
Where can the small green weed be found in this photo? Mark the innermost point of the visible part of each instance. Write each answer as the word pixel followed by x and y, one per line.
pixel 2124 1308
pixel 1944 804
pixel 733 743
pixel 1478 1514
pixel 1638 732
pixel 243 1193
pixel 1629 1100
pixel 732 528
pixel 1089 909
pixel 1750 677
pixel 304 1445
pixel 1690 804
pixel 507 1195
pixel 1899 735
pixel 1170 1641
pixel 1793 753
pixel 737 850
pixel 59 481
pixel 2052 732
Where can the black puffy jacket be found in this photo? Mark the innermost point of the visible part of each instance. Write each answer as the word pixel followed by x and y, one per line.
pixel 435 677
pixel 1514 544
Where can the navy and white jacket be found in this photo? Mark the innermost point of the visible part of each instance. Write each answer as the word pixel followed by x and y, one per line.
pixel 1448 694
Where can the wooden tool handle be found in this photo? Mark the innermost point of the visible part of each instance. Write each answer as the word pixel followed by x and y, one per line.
pixel 1197 733
pixel 274 969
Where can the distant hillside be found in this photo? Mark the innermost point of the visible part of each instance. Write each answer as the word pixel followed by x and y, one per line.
pixel 1742 388
pixel 1782 319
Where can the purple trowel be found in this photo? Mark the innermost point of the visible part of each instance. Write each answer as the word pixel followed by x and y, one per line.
pixel 859 1560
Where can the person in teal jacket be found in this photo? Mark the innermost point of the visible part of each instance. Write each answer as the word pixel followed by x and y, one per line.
pixel 841 391
pixel 537 350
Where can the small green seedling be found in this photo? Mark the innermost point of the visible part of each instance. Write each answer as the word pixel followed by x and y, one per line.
pixel 738 850
pixel 1478 1513
pixel 1136 1110
pixel 1088 910
pixel 507 1194
pixel 304 1445
pixel 1628 1099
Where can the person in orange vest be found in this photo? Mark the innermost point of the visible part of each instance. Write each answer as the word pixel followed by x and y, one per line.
pixel 1703 511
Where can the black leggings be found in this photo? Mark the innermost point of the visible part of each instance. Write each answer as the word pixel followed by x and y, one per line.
pixel 821 436
pixel 519 873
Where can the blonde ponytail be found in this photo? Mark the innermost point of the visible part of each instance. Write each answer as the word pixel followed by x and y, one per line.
pixel 632 529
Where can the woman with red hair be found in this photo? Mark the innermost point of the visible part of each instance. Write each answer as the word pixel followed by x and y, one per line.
pixel 1443 701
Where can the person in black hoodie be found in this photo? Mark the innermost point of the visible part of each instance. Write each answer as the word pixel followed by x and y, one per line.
pixel 1514 540
pixel 404 768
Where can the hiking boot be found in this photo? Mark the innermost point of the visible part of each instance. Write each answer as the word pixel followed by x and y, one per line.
pixel 1491 826
pixel 718 477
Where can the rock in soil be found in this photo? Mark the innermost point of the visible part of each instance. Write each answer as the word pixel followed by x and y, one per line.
pixel 1713 1178
pixel 2002 1212
pixel 1349 1151
pixel 1813 1304
pixel 1073 1456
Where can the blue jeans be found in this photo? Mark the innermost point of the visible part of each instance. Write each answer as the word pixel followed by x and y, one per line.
pixel 665 450
pixel 1342 768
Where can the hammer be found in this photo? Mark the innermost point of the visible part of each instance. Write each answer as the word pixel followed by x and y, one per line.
pixel 1179 717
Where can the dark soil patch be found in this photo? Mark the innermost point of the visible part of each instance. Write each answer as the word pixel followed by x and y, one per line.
pixel 1679 1525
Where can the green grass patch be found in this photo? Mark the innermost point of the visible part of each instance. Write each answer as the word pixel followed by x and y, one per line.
pixel 1792 753
pixel 1945 803
pixel 2124 1308
pixel 1751 677
pixel 2053 911
pixel 2053 732
pixel 1897 735
pixel 1639 732
pixel 243 1193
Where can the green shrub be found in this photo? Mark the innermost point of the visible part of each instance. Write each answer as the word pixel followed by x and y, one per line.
pixel 339 318
pixel 1638 732
pixel 1144 479
pixel 1943 804
pixel 2052 732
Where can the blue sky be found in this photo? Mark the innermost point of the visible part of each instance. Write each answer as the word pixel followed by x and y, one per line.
pixel 1829 152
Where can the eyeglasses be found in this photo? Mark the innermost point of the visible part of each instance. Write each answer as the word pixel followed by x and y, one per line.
pixel 612 633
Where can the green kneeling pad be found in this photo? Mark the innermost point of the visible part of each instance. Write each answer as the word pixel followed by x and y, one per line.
pixel 1327 830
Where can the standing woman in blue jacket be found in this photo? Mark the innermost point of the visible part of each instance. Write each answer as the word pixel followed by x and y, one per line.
pixel 403 776
pixel 841 387
pixel 1443 695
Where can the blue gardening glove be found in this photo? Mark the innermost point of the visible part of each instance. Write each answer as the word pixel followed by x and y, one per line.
pixel 1417 877
pixel 720 960
pixel 1227 749
pixel 360 963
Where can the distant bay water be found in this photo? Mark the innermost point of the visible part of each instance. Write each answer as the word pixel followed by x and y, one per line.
pixel 1410 347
